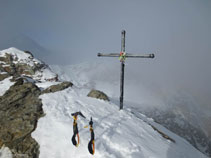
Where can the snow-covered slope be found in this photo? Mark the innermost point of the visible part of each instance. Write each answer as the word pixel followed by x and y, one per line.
pixel 177 110
pixel 118 134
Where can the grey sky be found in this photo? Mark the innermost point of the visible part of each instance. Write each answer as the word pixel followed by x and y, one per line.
pixel 177 31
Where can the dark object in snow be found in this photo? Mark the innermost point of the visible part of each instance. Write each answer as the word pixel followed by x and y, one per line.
pixel 78 113
pixel 58 87
pixel 98 94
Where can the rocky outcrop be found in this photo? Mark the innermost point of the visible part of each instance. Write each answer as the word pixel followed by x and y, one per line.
pixel 58 87
pixel 20 109
pixel 3 76
pixel 8 65
pixel 98 94
pixel 18 63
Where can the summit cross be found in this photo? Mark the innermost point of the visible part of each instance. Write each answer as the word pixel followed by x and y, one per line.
pixel 122 56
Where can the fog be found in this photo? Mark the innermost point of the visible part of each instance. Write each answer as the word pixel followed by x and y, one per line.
pixel 178 33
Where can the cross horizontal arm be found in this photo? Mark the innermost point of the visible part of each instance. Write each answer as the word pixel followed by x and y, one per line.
pixel 127 55
pixel 108 55
pixel 140 56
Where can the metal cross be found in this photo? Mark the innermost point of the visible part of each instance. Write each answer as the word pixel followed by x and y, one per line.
pixel 122 55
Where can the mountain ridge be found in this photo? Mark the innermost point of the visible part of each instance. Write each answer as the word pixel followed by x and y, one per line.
pixel 117 133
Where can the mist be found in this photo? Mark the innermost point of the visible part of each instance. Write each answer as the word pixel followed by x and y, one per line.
pixel 178 33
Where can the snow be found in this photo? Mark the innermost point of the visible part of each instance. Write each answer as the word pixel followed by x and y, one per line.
pixel 46 84
pixel 118 134
pixel 2 62
pixel 44 74
pixel 5 152
pixel 20 56
pixel 106 77
pixel 2 72
pixel 5 85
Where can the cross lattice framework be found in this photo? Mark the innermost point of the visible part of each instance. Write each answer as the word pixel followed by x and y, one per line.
pixel 123 55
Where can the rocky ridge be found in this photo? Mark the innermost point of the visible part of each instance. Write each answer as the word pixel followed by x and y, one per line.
pixel 20 108
pixel 16 63
pixel 20 105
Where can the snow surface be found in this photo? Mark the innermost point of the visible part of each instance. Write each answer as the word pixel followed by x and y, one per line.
pixel 118 134
pixel 44 74
pixel 5 85
pixel 5 152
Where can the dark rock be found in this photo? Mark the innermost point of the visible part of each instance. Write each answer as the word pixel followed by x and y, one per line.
pixel 3 59
pixel 98 94
pixel 15 69
pixel 19 81
pixel 20 109
pixel 3 76
pixel 58 87
pixel 28 52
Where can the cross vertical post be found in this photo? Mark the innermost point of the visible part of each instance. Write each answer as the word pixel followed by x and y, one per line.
pixel 122 56
pixel 122 71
